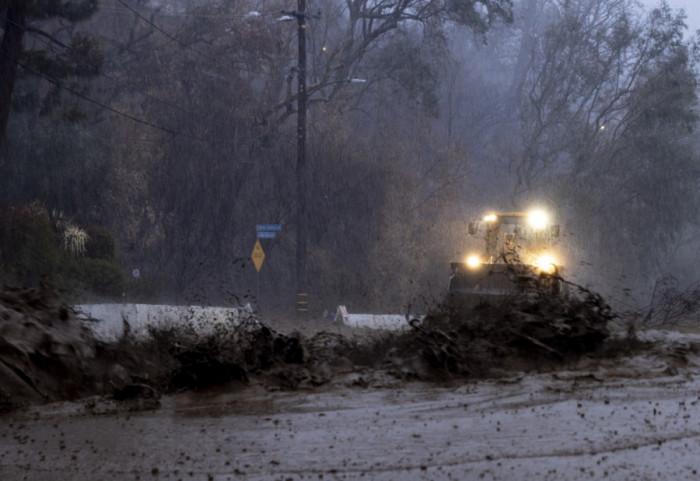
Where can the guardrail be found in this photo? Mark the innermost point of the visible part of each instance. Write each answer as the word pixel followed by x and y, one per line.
pixel 110 321
pixel 389 322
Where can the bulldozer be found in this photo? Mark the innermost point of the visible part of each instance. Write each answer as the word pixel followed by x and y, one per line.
pixel 519 255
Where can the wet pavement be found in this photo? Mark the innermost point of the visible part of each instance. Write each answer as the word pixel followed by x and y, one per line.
pixel 637 421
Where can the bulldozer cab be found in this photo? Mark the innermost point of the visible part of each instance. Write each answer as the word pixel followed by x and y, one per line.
pixel 512 242
pixel 514 236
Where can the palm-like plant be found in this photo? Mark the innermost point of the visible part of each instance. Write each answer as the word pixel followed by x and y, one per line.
pixel 74 240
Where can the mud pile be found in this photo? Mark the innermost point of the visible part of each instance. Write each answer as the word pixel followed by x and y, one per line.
pixel 252 352
pixel 532 330
pixel 46 354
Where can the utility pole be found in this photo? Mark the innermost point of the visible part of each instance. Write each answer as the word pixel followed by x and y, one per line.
pixel 302 177
pixel 301 168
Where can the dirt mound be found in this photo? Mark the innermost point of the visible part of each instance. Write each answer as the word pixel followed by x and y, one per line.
pixel 526 331
pixel 45 353
pixel 252 352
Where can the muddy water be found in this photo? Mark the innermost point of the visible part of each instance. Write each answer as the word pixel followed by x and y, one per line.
pixel 638 421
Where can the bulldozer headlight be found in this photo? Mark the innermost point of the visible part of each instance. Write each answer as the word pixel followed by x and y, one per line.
pixel 473 262
pixel 538 219
pixel 546 263
pixel 490 218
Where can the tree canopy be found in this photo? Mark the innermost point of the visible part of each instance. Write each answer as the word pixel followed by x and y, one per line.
pixel 57 54
pixel 173 125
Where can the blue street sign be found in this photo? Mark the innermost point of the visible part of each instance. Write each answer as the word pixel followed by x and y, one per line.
pixel 266 235
pixel 269 227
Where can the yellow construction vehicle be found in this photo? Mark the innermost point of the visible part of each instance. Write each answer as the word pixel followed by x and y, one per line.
pixel 519 253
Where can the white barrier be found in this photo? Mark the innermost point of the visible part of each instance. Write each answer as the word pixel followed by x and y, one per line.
pixel 389 322
pixel 108 321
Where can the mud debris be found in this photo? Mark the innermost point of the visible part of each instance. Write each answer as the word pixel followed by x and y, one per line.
pixel 529 330
pixel 46 354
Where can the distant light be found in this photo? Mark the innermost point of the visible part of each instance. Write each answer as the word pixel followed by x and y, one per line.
pixel 602 127
pixel 490 218
pixel 324 48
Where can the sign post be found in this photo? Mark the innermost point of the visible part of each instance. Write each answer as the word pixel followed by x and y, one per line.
pixel 258 257
pixel 264 231
pixel 269 227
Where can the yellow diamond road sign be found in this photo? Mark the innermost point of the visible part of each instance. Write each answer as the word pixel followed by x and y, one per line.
pixel 258 255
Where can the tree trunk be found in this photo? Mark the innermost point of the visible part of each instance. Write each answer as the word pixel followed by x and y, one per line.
pixel 525 53
pixel 10 51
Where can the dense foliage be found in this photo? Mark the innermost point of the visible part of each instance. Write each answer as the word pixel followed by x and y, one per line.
pixel 184 139
pixel 37 245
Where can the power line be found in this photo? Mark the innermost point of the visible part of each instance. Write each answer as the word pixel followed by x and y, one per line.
pixel 174 39
pixel 50 44
pixel 103 106
pixel 118 112
pixel 191 15
pixel 101 73
pixel 100 104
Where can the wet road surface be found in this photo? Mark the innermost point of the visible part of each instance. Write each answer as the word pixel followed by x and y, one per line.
pixel 639 424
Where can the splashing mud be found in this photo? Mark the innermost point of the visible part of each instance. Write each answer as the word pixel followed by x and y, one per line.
pixel 46 354
pixel 526 330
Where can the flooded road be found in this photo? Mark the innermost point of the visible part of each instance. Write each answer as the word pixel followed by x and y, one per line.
pixel 639 421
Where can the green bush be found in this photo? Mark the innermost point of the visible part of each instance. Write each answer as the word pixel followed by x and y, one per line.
pixel 101 243
pixel 28 245
pixel 101 277
pixel 31 249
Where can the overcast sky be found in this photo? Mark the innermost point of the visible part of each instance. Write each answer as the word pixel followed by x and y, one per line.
pixel 692 9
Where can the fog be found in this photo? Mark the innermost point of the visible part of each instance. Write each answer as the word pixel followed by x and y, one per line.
pixel 145 141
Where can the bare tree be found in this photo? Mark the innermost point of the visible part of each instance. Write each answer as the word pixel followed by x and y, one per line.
pixel 607 110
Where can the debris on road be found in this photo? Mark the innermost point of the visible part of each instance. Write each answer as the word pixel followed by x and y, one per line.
pixel 46 354
pixel 525 331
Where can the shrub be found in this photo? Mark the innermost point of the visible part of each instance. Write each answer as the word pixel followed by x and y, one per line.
pixel 28 245
pixel 35 244
pixel 74 240
pixel 101 277
pixel 101 243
